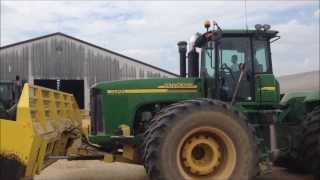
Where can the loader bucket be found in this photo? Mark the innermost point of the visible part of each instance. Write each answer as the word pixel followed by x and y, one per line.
pixel 47 121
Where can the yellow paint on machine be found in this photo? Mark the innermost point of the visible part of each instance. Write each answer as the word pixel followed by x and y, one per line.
pixel 146 91
pixel 268 88
pixel 43 115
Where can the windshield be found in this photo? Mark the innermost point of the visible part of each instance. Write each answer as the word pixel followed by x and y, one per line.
pixel 233 52
pixel 6 97
pixel 6 92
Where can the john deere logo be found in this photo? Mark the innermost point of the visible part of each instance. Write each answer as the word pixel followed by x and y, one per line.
pixel 178 86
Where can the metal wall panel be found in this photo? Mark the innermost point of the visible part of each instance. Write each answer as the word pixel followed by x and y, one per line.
pixel 63 57
pixel 14 62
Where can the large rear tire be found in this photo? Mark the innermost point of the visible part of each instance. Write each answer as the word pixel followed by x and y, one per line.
pixel 200 139
pixel 309 151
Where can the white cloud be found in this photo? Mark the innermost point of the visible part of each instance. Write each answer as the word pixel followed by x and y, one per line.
pixel 149 31
pixel 136 22
pixel 298 48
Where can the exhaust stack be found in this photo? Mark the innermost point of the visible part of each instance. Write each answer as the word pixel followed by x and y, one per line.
pixel 193 63
pixel 182 46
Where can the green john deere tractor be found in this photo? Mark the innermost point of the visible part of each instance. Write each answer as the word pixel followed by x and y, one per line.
pixel 225 120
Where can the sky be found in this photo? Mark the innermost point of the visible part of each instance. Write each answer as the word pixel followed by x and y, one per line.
pixel 149 30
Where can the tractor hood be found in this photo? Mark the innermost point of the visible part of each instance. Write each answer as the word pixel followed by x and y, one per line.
pixel 118 103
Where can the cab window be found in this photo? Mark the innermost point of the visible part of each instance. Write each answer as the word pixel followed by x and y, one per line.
pixel 209 55
pixel 261 56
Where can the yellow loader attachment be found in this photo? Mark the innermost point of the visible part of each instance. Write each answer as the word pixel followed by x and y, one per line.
pixel 47 123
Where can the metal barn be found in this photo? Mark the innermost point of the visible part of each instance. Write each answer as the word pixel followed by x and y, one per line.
pixel 63 62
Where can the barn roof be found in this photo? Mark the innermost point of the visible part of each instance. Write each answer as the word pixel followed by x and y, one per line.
pixel 89 44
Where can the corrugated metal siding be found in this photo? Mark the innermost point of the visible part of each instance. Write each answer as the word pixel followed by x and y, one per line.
pixel 14 62
pixel 59 57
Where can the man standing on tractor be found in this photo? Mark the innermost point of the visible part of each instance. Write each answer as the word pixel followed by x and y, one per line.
pixel 234 65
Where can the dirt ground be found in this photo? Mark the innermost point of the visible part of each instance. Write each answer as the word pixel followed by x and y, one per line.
pixel 96 170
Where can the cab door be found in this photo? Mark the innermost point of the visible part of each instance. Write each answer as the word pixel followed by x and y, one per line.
pixel 267 88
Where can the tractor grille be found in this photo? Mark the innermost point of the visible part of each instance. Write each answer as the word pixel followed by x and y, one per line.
pixel 97 125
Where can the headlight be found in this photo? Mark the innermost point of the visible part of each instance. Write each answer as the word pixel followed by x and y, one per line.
pixel 258 27
pixel 207 24
pixel 266 27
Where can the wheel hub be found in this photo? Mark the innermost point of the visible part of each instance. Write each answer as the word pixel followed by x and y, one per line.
pixel 201 155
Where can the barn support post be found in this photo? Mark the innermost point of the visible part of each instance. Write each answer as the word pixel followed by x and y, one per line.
pixel 86 93
pixel 30 70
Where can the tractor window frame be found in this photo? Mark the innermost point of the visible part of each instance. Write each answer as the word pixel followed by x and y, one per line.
pixel 208 63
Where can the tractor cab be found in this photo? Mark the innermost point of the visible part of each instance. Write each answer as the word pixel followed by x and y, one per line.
pixel 231 58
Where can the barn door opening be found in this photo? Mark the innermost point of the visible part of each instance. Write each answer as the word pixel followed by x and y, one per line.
pixel 48 83
pixel 75 87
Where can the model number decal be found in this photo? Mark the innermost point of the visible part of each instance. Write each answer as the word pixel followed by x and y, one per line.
pixel 178 86
pixel 146 91
pixel 268 88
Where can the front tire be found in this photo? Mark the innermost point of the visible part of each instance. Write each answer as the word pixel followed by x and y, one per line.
pixel 11 168
pixel 200 139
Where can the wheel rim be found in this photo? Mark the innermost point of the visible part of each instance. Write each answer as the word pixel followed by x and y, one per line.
pixel 206 153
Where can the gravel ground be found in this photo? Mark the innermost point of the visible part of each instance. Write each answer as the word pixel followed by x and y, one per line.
pixel 96 170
